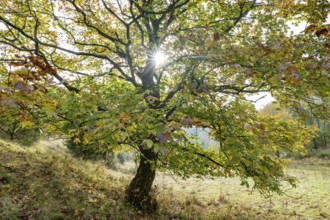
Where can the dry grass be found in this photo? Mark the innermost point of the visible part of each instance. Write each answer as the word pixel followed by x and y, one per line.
pixel 43 182
pixel 225 198
pixel 44 185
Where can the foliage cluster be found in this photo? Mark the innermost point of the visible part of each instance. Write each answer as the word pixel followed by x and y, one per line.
pixel 16 125
pixel 322 134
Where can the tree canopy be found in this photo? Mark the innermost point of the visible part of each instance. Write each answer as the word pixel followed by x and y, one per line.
pixel 90 69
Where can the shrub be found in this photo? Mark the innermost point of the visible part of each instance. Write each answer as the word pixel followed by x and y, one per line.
pixel 22 136
pixel 92 151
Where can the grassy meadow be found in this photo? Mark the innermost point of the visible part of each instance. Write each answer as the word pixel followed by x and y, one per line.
pixel 310 200
pixel 45 182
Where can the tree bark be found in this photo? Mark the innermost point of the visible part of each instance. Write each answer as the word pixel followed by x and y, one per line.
pixel 138 191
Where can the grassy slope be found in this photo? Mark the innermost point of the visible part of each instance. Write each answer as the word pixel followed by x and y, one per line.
pixel 40 184
pixel 45 185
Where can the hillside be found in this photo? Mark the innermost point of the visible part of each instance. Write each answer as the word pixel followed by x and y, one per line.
pixel 39 184
pixel 46 183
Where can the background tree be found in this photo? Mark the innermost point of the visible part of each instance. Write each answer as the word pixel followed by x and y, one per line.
pixel 17 122
pixel 15 127
pixel 273 109
pixel 321 139
pixel 106 54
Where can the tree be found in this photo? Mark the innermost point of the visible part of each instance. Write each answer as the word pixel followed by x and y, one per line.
pixel 273 109
pixel 321 137
pixel 106 54
pixel 16 126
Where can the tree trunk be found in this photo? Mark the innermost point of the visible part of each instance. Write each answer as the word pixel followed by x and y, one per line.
pixel 11 135
pixel 138 191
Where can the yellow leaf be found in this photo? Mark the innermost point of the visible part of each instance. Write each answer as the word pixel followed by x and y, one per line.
pixel 25 124
pixel 76 141
pixel 124 117
pixel 76 213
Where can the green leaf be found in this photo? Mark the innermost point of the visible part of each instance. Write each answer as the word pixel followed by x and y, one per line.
pixel 147 143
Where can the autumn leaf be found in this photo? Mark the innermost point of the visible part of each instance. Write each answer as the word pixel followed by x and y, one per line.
pixel 163 137
pixel 187 121
pixel 124 117
pixel 21 86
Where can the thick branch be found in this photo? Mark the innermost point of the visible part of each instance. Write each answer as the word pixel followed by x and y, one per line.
pixel 241 15
pixel 169 8
pixel 231 89
pixel 100 32
pixel 116 65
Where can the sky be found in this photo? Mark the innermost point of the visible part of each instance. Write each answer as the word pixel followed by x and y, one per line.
pixel 261 100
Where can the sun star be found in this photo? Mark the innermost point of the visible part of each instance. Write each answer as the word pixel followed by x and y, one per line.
pixel 159 58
